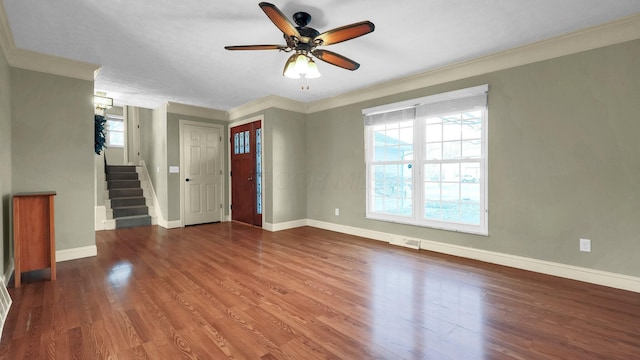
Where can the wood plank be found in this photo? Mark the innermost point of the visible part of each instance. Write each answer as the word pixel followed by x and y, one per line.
pixel 232 291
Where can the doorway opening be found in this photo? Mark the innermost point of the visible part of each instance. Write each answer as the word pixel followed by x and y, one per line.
pixel 246 173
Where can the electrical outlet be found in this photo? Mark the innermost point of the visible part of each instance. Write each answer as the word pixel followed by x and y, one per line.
pixel 337 212
pixel 585 245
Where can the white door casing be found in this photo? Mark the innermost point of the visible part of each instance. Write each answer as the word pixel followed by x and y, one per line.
pixel 201 175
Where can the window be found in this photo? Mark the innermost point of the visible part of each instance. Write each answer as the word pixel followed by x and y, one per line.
pixel 115 131
pixel 426 161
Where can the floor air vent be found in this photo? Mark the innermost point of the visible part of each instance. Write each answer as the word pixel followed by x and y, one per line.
pixel 5 304
pixel 409 243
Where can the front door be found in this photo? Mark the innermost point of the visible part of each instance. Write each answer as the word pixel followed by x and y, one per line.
pixel 246 173
pixel 202 174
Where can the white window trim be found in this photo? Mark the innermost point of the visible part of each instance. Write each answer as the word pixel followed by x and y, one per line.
pixel 417 218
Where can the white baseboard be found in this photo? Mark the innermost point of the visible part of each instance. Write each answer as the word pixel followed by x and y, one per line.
pixel 169 224
pixel 598 277
pixel 76 253
pixel 375 235
pixel 285 225
pixel 109 224
pixel 100 217
pixel 614 280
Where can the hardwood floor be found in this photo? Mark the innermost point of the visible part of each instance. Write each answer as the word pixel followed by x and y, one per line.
pixel 231 291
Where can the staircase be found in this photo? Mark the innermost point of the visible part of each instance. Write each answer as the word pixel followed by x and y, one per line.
pixel 126 197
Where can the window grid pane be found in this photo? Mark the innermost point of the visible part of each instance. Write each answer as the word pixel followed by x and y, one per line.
pixel 116 138
pixel 393 142
pixel 392 185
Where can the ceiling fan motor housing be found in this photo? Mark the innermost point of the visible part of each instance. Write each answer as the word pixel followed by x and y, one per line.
pixel 307 34
pixel 302 18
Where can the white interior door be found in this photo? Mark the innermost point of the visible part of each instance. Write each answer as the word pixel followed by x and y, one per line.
pixel 202 175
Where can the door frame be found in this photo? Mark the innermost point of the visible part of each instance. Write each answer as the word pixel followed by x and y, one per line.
pixel 132 129
pixel 264 166
pixel 220 128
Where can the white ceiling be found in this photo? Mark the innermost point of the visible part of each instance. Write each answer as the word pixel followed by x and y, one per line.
pixel 156 51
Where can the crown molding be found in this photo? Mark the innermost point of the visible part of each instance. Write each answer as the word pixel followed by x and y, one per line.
pixel 196 111
pixel 271 101
pixel 31 60
pixel 616 32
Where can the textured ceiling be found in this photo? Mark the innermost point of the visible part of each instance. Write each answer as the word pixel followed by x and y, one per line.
pixel 173 50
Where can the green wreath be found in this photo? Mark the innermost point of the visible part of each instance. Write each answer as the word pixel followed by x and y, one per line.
pixel 100 139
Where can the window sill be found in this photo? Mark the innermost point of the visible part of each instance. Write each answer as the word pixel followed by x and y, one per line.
pixel 460 228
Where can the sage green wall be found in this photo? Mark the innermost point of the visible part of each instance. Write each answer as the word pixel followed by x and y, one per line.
pixel 285 155
pixel 153 150
pixel 563 161
pixel 6 249
pixel 52 149
pixel 173 158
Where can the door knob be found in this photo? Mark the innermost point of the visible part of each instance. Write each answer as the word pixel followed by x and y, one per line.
pixel 187 179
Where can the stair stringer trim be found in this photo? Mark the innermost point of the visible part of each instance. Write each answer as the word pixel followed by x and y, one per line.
pixel 100 217
pixel 154 211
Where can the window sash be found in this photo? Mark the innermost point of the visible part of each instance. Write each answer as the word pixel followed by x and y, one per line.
pixel 113 133
pixel 465 211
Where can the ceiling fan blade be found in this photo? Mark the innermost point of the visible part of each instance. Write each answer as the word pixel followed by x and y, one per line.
pixel 345 33
pixel 335 59
pixel 255 47
pixel 279 19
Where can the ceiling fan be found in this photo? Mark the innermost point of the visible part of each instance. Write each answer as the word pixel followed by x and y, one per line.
pixel 305 42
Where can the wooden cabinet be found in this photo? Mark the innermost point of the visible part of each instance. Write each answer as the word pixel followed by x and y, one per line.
pixel 34 233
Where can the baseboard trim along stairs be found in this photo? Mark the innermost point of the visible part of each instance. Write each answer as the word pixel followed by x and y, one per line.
pixel 127 203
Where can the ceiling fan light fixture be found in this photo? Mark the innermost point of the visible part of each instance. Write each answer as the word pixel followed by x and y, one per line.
pixel 302 64
pixel 290 68
pixel 313 71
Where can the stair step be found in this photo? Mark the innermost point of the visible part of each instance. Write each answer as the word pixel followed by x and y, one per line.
pixel 127 201
pixel 123 193
pixel 126 197
pixel 133 221
pixel 120 168
pixel 122 176
pixel 123 184
pixel 129 211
